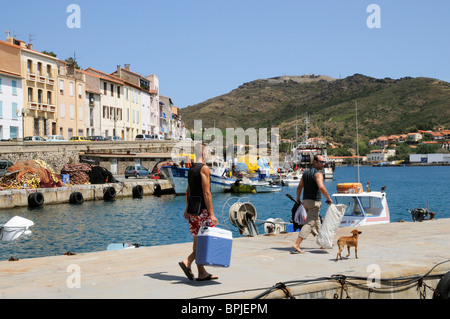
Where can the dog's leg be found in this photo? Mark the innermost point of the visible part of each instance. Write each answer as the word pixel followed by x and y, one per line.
pixel 348 248
pixel 356 252
pixel 340 250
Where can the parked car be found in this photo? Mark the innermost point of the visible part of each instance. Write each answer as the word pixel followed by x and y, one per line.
pixel 78 139
pixel 146 137
pixel 114 138
pixel 136 171
pixel 4 165
pixel 33 139
pixel 96 138
pixel 56 138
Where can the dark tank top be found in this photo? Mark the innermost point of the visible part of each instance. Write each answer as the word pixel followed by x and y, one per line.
pixel 195 182
pixel 311 190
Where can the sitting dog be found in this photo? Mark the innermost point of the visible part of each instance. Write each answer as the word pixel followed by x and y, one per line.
pixel 350 241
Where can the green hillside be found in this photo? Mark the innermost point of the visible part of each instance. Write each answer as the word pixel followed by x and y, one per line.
pixel 385 106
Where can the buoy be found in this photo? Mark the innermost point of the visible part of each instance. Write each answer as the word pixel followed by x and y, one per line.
pixel 443 288
pixel 35 199
pixel 138 191
pixel 76 198
pixel 109 193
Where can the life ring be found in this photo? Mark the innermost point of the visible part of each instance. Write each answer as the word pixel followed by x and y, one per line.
pixel 443 288
pixel 138 191
pixel 76 198
pixel 35 199
pixel 109 193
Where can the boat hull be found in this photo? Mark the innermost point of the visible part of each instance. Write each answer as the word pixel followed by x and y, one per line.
pixel 178 176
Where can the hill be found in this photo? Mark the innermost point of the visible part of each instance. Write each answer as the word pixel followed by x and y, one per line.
pixel 385 106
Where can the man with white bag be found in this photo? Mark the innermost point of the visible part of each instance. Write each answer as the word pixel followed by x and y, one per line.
pixel 312 186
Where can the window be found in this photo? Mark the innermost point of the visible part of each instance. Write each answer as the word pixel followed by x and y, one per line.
pixel 118 92
pixel 39 96
pixel 39 69
pixel 29 66
pixel 49 70
pixel 72 111
pixel 1 109
pixel 105 88
pixel 13 131
pixel 30 94
pixel 71 88
pixel 14 111
pixel 126 93
pixel 80 113
pixel 14 87
pixel 80 91
pixel 49 97
pixel 62 110
pixel 61 87
pixel 112 89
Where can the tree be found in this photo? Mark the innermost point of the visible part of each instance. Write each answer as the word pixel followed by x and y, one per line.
pixel 74 62
pixel 51 53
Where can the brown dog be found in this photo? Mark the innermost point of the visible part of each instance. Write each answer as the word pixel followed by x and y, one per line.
pixel 350 241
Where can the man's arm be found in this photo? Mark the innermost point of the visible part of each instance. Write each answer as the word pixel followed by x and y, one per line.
pixel 299 189
pixel 322 188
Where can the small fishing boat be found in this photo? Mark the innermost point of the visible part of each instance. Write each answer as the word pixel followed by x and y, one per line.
pixel 363 207
pixel 178 177
pixel 247 185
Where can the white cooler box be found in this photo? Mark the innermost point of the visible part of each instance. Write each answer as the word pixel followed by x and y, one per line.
pixel 214 247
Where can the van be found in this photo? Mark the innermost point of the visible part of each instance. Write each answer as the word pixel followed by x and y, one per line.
pixel 56 138
pixel 145 137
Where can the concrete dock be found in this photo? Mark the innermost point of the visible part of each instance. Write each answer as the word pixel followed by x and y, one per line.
pixel 257 264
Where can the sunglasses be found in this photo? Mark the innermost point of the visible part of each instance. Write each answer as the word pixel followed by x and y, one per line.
pixel 322 162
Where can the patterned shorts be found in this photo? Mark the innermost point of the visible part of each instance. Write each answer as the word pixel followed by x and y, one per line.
pixel 197 221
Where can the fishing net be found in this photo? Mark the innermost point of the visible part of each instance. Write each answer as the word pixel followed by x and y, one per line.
pixel 30 174
pixel 78 173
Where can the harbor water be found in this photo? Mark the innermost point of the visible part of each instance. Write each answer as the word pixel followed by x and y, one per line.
pixel 152 220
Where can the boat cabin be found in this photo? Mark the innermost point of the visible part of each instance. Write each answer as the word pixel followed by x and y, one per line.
pixel 363 208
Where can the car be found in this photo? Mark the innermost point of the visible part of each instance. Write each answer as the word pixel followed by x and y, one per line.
pixel 114 138
pixel 4 165
pixel 146 137
pixel 56 138
pixel 96 138
pixel 33 139
pixel 136 171
pixel 78 139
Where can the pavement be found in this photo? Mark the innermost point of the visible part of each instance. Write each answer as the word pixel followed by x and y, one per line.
pixel 257 264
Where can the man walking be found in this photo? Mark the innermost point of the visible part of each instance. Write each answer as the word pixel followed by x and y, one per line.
pixel 199 185
pixel 311 184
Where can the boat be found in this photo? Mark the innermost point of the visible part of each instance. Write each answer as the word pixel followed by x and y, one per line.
pixel 178 177
pixel 363 207
pixel 246 185
pixel 292 178
pixel 302 155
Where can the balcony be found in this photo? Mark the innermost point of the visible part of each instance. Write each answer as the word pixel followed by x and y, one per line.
pixel 31 77
pixel 42 79
pixel 51 81
pixel 33 105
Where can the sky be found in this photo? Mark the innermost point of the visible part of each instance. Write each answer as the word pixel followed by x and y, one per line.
pixel 202 49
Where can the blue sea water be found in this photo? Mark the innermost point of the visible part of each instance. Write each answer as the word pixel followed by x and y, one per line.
pixel 153 220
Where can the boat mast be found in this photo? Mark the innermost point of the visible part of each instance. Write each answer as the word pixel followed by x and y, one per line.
pixel 357 137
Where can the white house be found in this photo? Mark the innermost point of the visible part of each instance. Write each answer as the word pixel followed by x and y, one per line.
pixel 11 106
pixel 380 155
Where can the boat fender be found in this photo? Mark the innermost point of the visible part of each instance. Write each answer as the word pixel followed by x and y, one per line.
pixel 76 198
pixel 138 191
pixel 443 288
pixel 157 191
pixel 109 193
pixel 35 199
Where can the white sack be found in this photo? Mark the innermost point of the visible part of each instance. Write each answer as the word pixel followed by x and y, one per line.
pixel 331 222
pixel 300 215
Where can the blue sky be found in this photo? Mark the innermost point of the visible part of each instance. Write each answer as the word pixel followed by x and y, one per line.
pixel 202 49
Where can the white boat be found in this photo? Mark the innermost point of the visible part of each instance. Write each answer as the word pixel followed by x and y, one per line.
pixel 363 208
pixel 292 178
pixel 247 185
pixel 178 176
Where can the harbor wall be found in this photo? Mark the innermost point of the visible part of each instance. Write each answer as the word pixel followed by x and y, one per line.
pixel 61 195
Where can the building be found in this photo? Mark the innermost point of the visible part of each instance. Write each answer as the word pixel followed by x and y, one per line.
pixel 380 155
pixel 165 117
pixel 11 92
pixel 71 101
pixel 154 104
pixel 111 102
pixel 39 72
pixel 429 158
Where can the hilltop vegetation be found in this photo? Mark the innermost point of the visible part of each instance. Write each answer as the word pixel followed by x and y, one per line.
pixel 385 106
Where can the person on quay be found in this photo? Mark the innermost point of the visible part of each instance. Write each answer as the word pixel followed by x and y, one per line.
pixel 199 184
pixel 312 186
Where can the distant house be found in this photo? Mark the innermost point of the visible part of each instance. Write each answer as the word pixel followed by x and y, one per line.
pixel 376 156
pixel 414 137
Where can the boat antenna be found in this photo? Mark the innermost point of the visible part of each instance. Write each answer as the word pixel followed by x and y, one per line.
pixel 357 137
